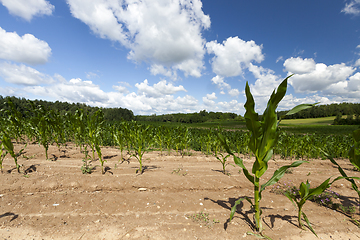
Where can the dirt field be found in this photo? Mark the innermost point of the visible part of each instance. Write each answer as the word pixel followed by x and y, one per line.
pixel 56 201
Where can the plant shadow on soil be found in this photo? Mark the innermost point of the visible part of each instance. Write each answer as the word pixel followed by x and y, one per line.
pixel 245 214
pixel 228 205
pixel 7 214
pixel 147 168
pixel 110 156
pixel 346 202
pixel 31 169
pixel 220 171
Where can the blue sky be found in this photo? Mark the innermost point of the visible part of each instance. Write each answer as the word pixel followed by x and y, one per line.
pixel 170 56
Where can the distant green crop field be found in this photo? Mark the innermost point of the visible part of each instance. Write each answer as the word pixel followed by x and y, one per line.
pixel 301 126
pixel 230 124
pixel 320 129
pixel 308 121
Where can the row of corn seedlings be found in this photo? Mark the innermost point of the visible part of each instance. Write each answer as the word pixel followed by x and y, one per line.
pixel 47 127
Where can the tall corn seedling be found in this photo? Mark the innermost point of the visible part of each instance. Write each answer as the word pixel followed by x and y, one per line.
pixel 140 136
pixel 264 135
pixel 9 147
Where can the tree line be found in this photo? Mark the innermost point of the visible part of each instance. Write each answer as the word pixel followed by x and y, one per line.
pixel 351 110
pixel 326 111
pixel 23 106
pixel 202 116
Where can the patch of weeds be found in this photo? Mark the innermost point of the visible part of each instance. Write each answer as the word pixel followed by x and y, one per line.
pixel 328 198
pixel 356 222
pixel 179 171
pixel 26 176
pixel 27 157
pixel 203 219
pixel 86 167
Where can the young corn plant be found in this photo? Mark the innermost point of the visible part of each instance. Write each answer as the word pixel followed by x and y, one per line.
pixel 3 154
pixel 184 135
pixel 119 138
pixel 15 121
pixel 9 147
pixel 94 126
pixel 78 125
pixel 220 156
pixel 41 124
pixel 86 168
pixel 306 193
pixel 354 157
pixel 141 137
pixel 264 135
pixel 98 150
pixel 168 138
pixel 159 137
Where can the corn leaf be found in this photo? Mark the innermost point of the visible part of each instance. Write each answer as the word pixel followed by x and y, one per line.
pixel 300 107
pixel 233 209
pixel 345 176
pixel 238 161
pixel 278 174
pixel 308 223
pixel 252 120
pixel 354 153
pixel 318 190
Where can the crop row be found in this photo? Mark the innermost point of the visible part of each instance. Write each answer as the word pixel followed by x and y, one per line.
pixel 46 127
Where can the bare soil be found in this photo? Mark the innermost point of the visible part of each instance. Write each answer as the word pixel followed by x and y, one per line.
pixel 54 200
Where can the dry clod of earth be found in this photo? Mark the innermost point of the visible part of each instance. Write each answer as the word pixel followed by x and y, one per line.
pixel 56 201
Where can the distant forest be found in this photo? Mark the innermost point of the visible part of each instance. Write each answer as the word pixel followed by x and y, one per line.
pixel 202 116
pixel 110 114
pixel 326 111
pixel 351 110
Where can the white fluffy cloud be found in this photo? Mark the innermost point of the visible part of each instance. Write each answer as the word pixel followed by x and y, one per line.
pixel 299 65
pixel 290 101
pixel 222 85
pixel 357 63
pixel 318 77
pixel 265 83
pixel 352 7
pixel 27 9
pixel 234 92
pixel 233 56
pixel 208 100
pixel 354 83
pixel 78 90
pixel 159 89
pixel 165 34
pixel 122 87
pixel 26 49
pixel 22 75
pixel 347 90
pixel 232 106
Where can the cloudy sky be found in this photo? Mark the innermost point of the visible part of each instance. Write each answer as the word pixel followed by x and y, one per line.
pixel 169 56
